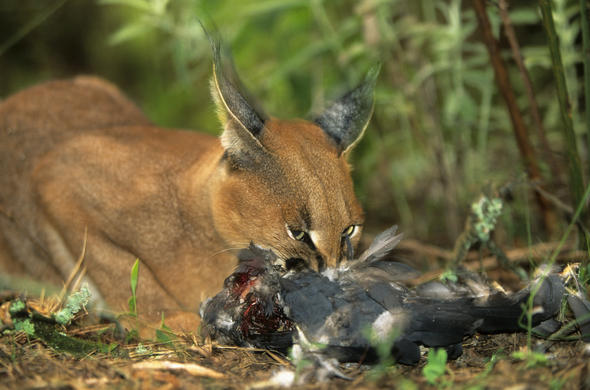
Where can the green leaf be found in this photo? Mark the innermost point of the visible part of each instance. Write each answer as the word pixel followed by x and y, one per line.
pixel 141 5
pixel 132 336
pixel 129 32
pixel 525 16
pixel 163 326
pixel 265 7
pixel 449 275
pixel 436 365
pixel 132 306
pixel 407 384
pixel 111 347
pixel 25 325
pixel 165 334
pixel 134 276
pixel 142 350
pixel 16 307
pixel 163 337
pixel 133 281
pixel 532 359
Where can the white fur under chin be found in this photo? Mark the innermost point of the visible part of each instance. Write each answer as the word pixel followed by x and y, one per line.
pixel 331 273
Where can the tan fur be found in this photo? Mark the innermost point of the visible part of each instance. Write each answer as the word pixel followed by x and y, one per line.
pixel 77 154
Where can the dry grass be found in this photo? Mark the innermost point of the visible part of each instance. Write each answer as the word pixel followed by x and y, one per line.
pixel 30 364
pixel 189 361
pixel 192 362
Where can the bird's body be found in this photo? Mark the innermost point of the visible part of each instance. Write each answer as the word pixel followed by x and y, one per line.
pixel 347 311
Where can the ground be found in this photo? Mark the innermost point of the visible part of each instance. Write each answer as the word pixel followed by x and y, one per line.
pixel 30 364
pixel 116 359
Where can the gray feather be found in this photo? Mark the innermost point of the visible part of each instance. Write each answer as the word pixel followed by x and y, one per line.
pixel 384 243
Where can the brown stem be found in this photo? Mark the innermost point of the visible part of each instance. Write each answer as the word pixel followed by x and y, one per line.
pixel 520 132
pixel 537 252
pixel 473 262
pixel 524 73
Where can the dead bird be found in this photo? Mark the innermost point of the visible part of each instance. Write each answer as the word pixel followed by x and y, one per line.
pixel 346 311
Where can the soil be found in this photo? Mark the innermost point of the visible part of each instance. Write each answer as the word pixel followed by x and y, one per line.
pixel 28 362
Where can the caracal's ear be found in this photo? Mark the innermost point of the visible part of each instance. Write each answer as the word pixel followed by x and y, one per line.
pixel 243 121
pixel 346 119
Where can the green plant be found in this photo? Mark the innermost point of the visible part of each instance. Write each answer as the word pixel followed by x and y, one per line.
pixel 297 357
pixel 28 27
pixel 24 325
pixel 383 345
pixel 75 302
pixel 576 176
pixel 164 334
pixel 584 276
pixel 132 303
pixel 585 27
pixel 406 384
pixel 142 350
pixel 449 275
pixel 301 354
pixel 480 381
pixel 21 318
pixel 528 307
pixel 531 358
pixel 439 131
pixel 37 326
pixel 557 383
pixel 436 365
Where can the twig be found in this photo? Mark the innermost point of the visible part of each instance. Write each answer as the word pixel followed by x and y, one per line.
pixel 520 255
pixel 520 132
pixel 528 85
pixel 500 256
pixel 567 210
pixel 191 368
pixel 557 203
pixel 427 250
pixel 30 26
pixel 90 329
pixel 278 359
pixel 198 348
pixel 238 348
pixel 74 272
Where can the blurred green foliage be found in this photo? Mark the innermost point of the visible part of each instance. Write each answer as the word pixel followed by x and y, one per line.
pixel 440 131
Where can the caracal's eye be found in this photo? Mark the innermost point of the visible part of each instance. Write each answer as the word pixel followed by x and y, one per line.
pixel 350 231
pixel 346 235
pixel 295 234
pixel 300 235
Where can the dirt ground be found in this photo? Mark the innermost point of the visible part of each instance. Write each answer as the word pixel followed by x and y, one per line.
pixel 188 361
pixel 27 363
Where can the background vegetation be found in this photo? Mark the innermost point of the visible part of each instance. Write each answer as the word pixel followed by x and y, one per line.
pixel 440 133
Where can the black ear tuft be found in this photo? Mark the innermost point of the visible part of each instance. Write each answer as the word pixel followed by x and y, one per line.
pixel 234 97
pixel 347 118
pixel 242 119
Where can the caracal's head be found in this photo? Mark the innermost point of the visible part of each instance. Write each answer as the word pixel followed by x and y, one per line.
pixel 285 185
